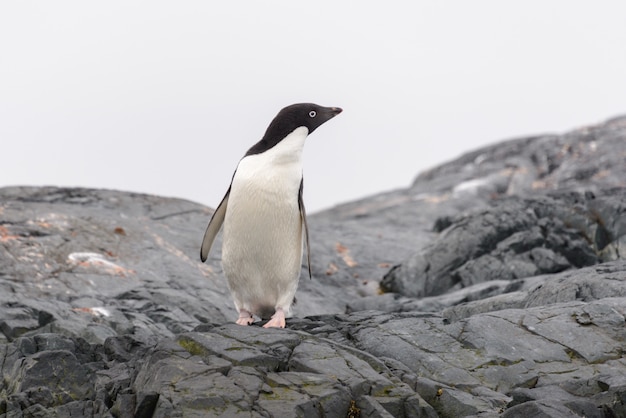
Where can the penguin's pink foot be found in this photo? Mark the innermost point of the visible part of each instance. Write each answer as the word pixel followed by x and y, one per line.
pixel 245 317
pixel 277 321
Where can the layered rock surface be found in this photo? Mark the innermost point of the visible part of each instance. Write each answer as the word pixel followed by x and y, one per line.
pixel 494 286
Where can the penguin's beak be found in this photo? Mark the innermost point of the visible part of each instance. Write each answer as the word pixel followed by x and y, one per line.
pixel 335 111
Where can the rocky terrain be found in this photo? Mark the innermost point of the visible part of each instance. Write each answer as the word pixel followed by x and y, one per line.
pixel 495 285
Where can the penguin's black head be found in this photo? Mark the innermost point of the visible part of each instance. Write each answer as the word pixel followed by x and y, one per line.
pixel 304 114
pixel 289 119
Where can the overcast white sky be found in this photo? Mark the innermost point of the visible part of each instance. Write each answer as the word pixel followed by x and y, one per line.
pixel 165 97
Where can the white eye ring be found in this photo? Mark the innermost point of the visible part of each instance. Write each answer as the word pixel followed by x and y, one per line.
pixel 312 113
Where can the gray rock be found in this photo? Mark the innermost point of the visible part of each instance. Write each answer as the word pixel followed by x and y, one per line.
pixel 515 238
pixel 427 367
pixel 586 284
pixel 235 370
pixel 551 397
pixel 106 311
pixel 540 409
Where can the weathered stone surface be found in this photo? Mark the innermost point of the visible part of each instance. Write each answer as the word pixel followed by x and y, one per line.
pixel 516 238
pixel 587 284
pixel 407 364
pixel 510 299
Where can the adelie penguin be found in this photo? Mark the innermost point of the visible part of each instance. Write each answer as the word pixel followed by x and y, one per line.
pixel 264 218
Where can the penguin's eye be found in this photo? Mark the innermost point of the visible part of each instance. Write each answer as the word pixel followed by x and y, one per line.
pixel 312 113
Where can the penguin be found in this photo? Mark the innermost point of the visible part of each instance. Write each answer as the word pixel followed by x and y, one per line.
pixel 264 219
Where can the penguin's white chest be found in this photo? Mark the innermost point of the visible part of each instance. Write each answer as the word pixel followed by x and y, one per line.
pixel 262 239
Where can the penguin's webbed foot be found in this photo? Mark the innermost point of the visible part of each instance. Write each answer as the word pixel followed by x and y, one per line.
pixel 277 320
pixel 245 318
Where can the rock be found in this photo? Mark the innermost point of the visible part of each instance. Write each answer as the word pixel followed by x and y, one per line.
pixel 541 401
pixel 405 364
pixel 504 271
pixel 586 284
pixel 516 238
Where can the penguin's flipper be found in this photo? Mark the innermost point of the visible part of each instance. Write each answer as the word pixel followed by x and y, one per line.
pixel 214 227
pixel 306 227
